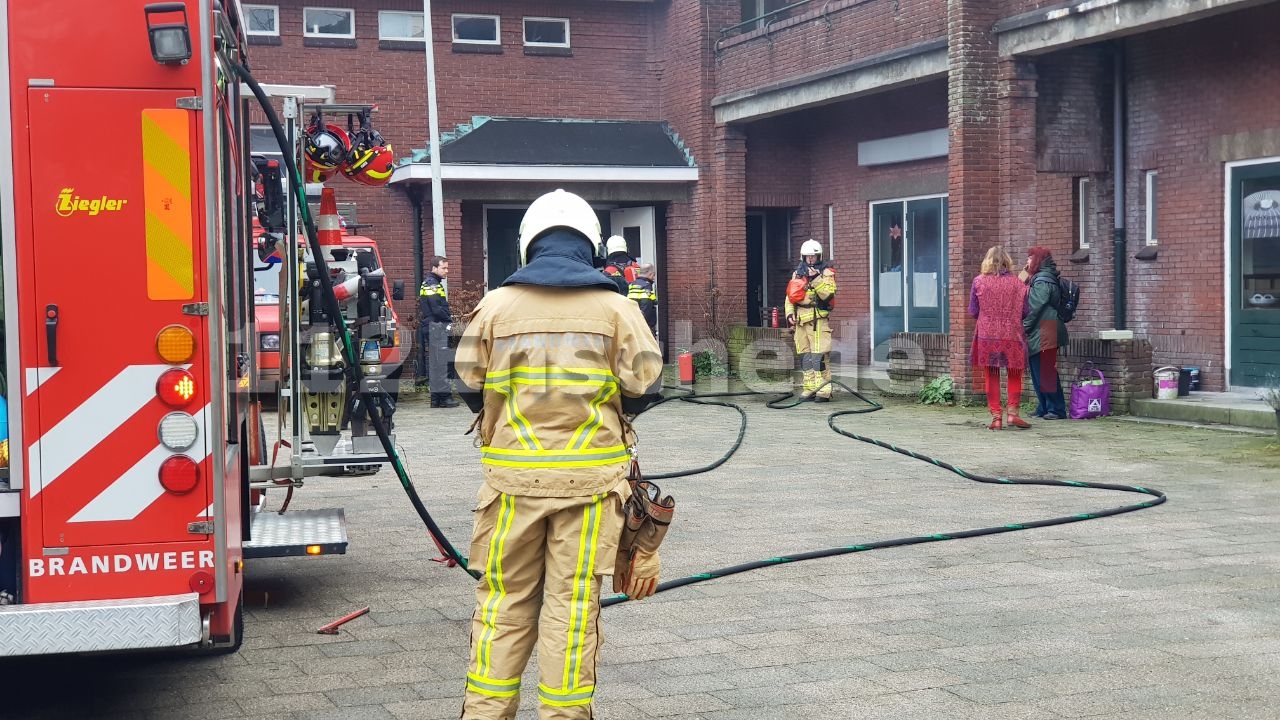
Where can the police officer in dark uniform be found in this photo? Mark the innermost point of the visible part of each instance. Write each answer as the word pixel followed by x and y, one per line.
pixel 434 322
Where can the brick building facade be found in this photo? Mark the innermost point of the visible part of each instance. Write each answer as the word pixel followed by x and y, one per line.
pixel 907 135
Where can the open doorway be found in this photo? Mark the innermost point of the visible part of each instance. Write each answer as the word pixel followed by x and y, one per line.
pixel 768 262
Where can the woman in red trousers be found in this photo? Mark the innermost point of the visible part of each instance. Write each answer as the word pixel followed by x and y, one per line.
pixel 999 300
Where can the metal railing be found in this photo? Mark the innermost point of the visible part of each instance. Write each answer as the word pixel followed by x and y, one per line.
pixel 765 20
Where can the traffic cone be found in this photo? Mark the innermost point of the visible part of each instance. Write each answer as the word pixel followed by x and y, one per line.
pixel 329 225
pixel 346 290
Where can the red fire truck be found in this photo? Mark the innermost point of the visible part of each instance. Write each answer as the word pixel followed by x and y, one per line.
pixel 126 218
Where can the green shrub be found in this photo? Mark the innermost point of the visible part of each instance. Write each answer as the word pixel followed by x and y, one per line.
pixel 939 391
pixel 707 364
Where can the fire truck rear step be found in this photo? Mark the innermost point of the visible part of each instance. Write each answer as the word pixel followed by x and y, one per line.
pixel 297 532
pixel 98 625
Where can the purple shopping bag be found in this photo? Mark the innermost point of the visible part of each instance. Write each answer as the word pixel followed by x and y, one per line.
pixel 1090 394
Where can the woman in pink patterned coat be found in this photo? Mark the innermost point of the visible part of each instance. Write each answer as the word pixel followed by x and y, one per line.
pixel 999 300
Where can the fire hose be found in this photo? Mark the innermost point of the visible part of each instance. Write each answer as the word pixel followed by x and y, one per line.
pixel 333 309
pixel 783 401
pixel 778 402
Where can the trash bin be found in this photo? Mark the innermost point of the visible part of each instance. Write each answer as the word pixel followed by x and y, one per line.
pixel 1184 381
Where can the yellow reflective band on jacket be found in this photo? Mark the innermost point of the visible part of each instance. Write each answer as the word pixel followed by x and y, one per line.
pixel 591 457
pixel 635 292
pixel 429 290
pixel 580 604
pixel 497 588
pixel 807 314
pixel 517 421
pixel 587 430
pixel 566 698
pixel 576 453
pixel 492 687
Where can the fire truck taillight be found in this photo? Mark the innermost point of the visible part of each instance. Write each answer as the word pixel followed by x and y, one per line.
pixel 178 431
pixel 175 344
pixel 179 474
pixel 176 387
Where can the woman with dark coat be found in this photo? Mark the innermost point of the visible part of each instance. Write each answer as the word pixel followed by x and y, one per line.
pixel 999 301
pixel 1046 333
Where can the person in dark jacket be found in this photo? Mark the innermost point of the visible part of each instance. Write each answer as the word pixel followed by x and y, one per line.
pixel 1046 333
pixel 434 322
pixel 641 291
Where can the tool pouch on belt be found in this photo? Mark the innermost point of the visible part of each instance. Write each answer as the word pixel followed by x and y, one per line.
pixel 647 515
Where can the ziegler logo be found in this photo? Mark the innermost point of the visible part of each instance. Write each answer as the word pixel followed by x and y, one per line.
pixel 69 204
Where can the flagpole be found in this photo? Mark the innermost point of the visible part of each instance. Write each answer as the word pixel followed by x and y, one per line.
pixel 433 123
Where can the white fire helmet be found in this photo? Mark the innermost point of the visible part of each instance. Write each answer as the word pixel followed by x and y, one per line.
pixel 558 209
pixel 811 247
pixel 616 243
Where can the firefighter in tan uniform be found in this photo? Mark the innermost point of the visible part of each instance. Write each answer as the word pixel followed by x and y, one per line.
pixel 553 361
pixel 815 282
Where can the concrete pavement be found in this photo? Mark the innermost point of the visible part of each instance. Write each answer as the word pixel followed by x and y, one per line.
pixel 1167 612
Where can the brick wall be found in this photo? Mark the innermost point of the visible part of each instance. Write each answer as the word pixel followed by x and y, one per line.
pixel 809 160
pixel 1195 104
pixel 973 164
pixel 1190 88
pixel 917 358
pixel 705 235
pixel 807 42
pixel 1017 7
pixel 612 73
pixel 1126 364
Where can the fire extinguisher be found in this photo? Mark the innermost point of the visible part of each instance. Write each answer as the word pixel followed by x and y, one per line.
pixel 773 317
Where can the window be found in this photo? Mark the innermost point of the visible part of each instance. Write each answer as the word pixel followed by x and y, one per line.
pixel 546 32
pixel 1084 212
pixel 1152 177
pixel 262 141
pixel 476 29
pixel 262 20
pixel 394 25
pixel 752 9
pixel 328 22
pixel 831 232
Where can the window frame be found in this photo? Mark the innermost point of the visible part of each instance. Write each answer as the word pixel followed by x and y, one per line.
pixel 524 33
pixel 275 11
pixel 1083 196
pixel 1151 192
pixel 497 29
pixel 411 14
pixel 306 33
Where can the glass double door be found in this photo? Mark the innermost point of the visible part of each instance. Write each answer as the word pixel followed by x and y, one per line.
pixel 909 269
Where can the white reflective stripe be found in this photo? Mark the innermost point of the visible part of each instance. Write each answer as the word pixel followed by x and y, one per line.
pixel 206 513
pixel 134 491
pixel 38 376
pixel 96 418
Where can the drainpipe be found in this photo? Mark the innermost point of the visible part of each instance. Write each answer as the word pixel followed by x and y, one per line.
pixel 1120 145
pixel 416 200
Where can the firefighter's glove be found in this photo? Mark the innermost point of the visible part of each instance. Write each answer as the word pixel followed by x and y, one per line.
pixel 638 576
pixel 647 514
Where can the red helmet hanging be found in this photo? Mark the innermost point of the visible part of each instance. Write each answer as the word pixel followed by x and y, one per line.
pixel 371 165
pixel 371 160
pixel 325 146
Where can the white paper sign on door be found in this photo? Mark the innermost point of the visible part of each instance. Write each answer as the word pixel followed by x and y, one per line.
pixel 890 289
pixel 924 290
